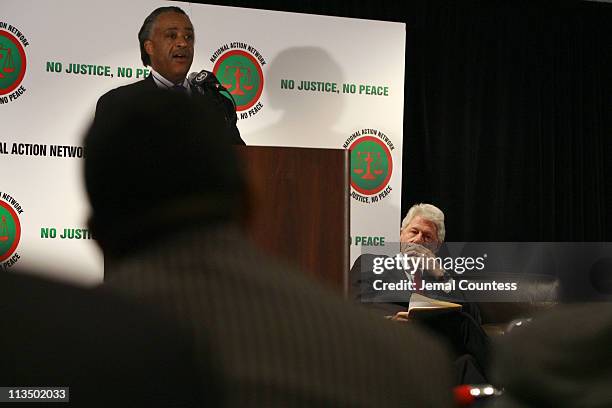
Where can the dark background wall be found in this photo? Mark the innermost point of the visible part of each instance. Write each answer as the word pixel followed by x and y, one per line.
pixel 508 115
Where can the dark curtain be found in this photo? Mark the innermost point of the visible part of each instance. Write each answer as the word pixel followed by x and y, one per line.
pixel 508 118
pixel 508 114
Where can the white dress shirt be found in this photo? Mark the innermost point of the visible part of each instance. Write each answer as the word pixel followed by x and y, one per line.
pixel 163 83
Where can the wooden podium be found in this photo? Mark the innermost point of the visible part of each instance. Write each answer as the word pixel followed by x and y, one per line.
pixel 300 207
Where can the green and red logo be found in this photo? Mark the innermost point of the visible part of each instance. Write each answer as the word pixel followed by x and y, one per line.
pixel 10 230
pixel 241 74
pixel 13 62
pixel 371 165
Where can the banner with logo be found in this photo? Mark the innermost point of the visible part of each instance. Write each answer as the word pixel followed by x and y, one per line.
pixel 297 80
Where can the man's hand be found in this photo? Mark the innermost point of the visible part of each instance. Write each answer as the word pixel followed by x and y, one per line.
pixel 431 267
pixel 400 317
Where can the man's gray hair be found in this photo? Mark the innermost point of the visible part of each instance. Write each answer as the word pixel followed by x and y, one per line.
pixel 429 212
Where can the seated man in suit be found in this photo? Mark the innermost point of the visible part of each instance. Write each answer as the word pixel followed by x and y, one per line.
pixel 421 235
pixel 166 45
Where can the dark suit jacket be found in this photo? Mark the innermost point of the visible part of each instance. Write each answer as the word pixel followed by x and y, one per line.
pixel 361 289
pixel 282 340
pixel 215 103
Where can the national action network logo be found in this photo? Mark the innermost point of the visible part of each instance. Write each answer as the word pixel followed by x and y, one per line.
pixel 238 66
pixel 13 62
pixel 10 231
pixel 371 165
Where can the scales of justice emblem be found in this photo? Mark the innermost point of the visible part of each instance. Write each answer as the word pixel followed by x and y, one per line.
pixel 236 87
pixel 4 231
pixel 9 65
pixel 10 230
pixel 371 165
pixel 12 62
pixel 240 73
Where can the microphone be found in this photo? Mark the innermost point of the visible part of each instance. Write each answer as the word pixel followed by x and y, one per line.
pixel 206 80
pixel 206 83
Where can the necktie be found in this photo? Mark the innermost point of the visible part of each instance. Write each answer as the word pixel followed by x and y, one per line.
pixel 179 89
pixel 418 278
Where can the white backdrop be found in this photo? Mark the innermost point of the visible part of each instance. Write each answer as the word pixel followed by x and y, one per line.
pixel 56 106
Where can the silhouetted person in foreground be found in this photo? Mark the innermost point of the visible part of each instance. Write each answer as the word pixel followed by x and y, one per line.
pixel 562 358
pixel 166 211
pixel 108 351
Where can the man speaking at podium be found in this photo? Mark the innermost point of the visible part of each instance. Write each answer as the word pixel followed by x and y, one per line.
pixel 166 45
